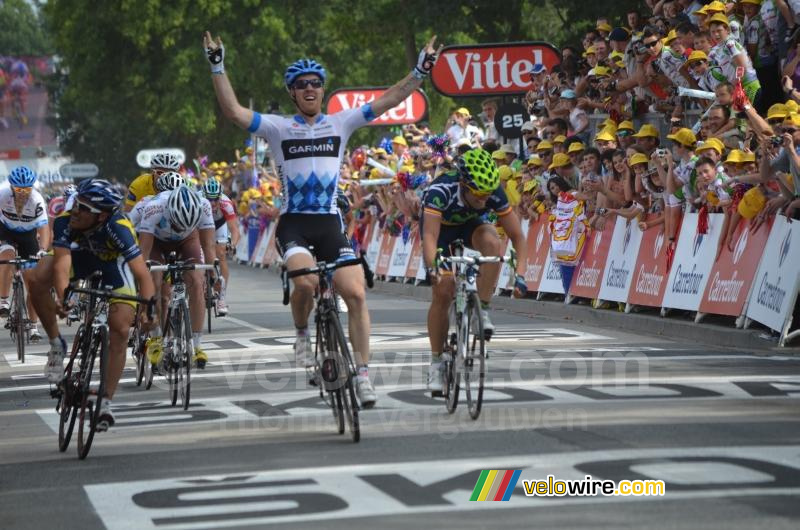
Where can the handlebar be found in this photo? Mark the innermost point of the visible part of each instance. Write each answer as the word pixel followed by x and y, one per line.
pixel 110 294
pixel 19 261
pixel 322 268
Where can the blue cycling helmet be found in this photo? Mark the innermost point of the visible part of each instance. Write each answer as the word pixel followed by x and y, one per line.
pixel 100 193
pixel 22 177
pixel 303 66
pixel 212 189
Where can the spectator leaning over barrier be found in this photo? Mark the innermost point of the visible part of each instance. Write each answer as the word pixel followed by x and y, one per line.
pixel 568 228
pixel 729 54
pixel 680 165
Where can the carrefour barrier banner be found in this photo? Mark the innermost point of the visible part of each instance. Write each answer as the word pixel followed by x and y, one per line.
pixel 415 260
pixel 587 277
pixel 650 272
pixel 776 282
pixel 734 271
pixel 622 255
pixel 385 255
pixel 400 256
pixel 551 280
pixel 538 252
pixel 374 246
pixel 694 257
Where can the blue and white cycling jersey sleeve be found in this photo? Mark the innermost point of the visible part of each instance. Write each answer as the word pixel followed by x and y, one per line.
pixel 309 157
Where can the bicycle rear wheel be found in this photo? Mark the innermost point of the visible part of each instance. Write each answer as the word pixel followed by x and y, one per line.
pixel 334 396
pixel 70 395
pixel 209 301
pixel 451 372
pixel 90 408
pixel 171 357
pixel 139 354
pixel 474 363
pixel 341 352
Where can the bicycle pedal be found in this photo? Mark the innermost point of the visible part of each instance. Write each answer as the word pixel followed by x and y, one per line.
pixel 437 393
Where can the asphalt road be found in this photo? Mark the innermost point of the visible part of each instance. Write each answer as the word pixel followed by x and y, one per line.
pixel 258 449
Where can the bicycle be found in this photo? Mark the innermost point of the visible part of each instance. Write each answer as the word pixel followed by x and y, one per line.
pixel 334 370
pixel 19 116
pixel 466 341
pixel 178 348
pixel 138 344
pixel 78 396
pixel 18 322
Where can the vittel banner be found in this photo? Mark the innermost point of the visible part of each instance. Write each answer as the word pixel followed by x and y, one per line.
pixel 411 110
pixel 486 69
pixel 776 282
pixel 621 261
pixel 694 257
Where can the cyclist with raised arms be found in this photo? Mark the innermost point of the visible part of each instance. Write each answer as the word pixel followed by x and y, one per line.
pixel 93 236
pixel 457 205
pixel 179 221
pixel 24 232
pixel 308 149
pixel 227 233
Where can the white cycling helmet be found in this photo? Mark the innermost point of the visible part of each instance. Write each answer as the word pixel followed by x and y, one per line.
pixel 169 181
pixel 185 208
pixel 166 161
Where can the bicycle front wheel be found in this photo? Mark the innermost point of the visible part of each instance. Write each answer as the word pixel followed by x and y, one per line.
pixel 185 359
pixel 92 398
pixel 451 372
pixel 341 352
pixel 139 354
pixel 19 318
pixel 70 395
pixel 474 361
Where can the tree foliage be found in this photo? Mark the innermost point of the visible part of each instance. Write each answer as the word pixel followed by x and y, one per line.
pixel 23 32
pixel 135 75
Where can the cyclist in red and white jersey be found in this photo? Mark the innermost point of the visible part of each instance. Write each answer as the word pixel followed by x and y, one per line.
pixel 227 233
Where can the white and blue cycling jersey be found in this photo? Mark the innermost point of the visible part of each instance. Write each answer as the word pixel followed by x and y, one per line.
pixel 309 157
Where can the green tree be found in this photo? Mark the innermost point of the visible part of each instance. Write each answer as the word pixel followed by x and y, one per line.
pixel 23 32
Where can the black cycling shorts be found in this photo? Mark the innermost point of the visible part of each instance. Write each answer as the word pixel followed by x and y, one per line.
pixel 26 243
pixel 321 234
pixel 449 233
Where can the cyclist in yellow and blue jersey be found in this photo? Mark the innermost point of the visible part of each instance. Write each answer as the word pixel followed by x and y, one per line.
pixel 145 184
pixel 93 236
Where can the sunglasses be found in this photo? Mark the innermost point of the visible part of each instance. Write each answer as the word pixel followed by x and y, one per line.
pixel 83 207
pixel 478 194
pixel 650 44
pixel 21 191
pixel 300 84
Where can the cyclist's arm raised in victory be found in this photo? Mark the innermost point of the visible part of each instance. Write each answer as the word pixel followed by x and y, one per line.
pixel 215 53
pixel 401 90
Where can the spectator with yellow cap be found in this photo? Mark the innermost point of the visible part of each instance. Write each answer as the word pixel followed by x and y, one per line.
pixel 605 140
pixel 624 134
pixel 729 54
pixel 707 76
pixel 562 166
pixel 558 144
pixel 647 138
pixel 545 152
pixel 458 126
pixel 638 163
pixel 678 178
pixel 575 152
pixel 499 157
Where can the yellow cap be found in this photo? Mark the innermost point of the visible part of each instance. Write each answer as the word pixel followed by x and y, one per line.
pixel 223 164
pixel 715 7
pixel 589 51
pixel 647 130
pixel 399 140
pixel 637 158
pixel 748 157
pixel 712 143
pixel 684 136
pixel 560 139
pixel 602 71
pixel 606 136
pixel 560 160
pixel 605 26
pixel 375 173
pixel 213 165
pixel 616 55
pixel 544 145
pixel 697 55
pixel 505 172
pixel 671 36
pixel 535 161
pixel 719 18
pixel 530 185
pixel 498 155
pixel 793 118
pixel 778 111
pixel 463 111
pixel 734 157
pixel 625 125
pixel 379 151
pixel 754 2
pixel 752 202
pixel 575 147
pixel 792 106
